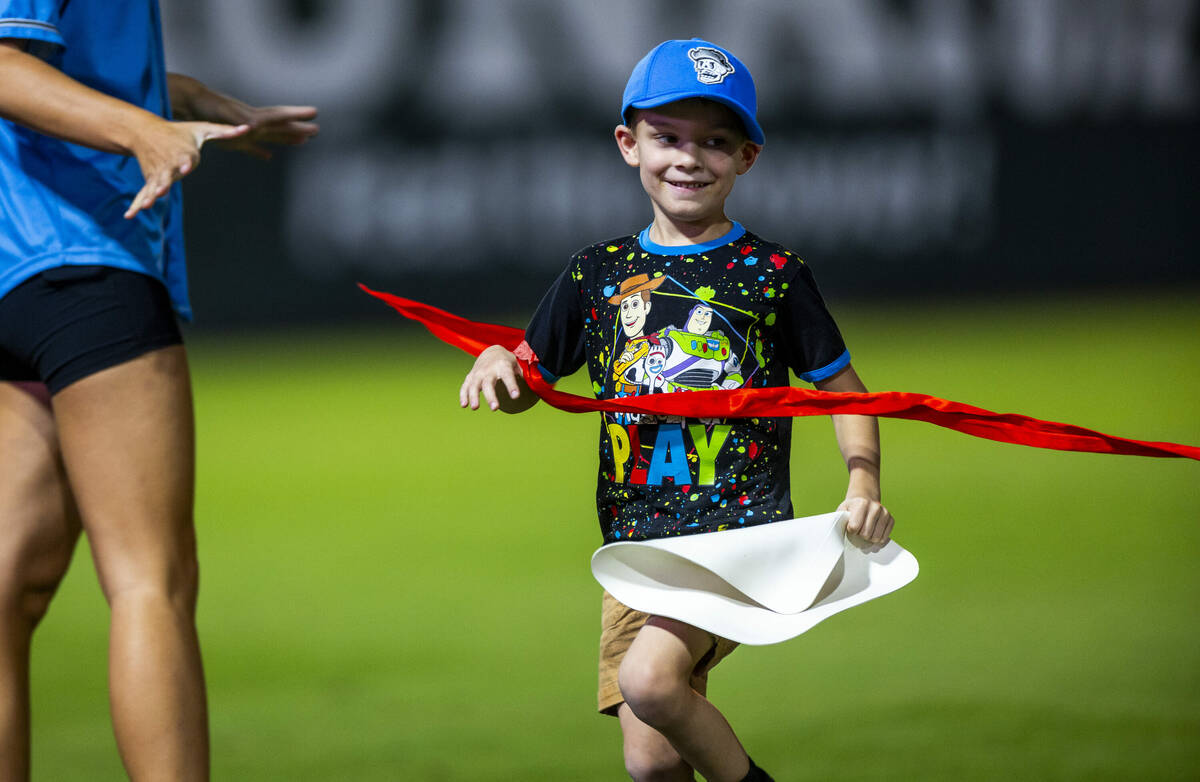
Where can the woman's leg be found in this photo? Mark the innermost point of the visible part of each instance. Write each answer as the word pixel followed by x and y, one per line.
pixel 38 531
pixel 128 445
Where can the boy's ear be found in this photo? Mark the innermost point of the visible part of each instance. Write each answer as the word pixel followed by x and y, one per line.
pixel 627 143
pixel 747 155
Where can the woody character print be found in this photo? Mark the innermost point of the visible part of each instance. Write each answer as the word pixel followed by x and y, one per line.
pixel 629 371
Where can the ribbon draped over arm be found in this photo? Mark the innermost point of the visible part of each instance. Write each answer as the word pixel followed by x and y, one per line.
pixel 783 401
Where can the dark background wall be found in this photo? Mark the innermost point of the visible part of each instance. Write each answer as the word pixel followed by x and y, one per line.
pixel 928 148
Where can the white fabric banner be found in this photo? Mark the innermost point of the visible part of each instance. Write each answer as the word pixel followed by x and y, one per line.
pixel 756 585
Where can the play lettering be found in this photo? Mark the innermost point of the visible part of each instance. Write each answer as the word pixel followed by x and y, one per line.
pixel 671 457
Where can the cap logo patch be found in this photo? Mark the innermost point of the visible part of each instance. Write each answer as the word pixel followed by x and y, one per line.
pixel 712 66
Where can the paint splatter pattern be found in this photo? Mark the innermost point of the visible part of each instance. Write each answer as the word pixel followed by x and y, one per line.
pixel 733 316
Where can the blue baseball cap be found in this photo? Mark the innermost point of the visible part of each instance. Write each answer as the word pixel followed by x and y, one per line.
pixel 677 70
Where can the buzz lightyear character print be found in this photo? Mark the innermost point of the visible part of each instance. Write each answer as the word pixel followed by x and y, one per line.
pixel 699 357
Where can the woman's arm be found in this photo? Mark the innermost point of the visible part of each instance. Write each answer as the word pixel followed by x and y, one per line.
pixel 268 125
pixel 39 96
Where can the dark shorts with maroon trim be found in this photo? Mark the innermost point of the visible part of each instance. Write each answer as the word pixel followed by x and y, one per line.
pixel 73 321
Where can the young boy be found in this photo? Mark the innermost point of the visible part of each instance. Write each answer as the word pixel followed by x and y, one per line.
pixel 694 301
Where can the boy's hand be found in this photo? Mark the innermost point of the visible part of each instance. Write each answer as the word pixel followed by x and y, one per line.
pixel 496 366
pixel 868 519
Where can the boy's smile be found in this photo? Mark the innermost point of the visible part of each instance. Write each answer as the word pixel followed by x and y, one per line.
pixel 688 154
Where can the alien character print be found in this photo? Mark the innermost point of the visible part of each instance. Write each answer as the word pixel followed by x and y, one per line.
pixel 738 312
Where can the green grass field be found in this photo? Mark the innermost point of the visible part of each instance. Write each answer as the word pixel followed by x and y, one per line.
pixel 397 589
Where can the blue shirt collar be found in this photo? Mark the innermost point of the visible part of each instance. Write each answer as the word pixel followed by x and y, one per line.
pixel 733 235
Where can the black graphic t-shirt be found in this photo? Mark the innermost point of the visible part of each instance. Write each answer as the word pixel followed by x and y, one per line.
pixel 647 319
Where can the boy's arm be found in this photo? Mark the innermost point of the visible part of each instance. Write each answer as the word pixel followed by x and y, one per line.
pixel 496 366
pixel 41 97
pixel 858 440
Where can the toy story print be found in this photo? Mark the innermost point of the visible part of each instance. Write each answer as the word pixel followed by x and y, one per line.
pixel 695 357
pixel 719 317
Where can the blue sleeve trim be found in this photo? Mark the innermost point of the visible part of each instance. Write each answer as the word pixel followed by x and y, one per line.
pixel 829 370
pixel 546 373
pixel 31 29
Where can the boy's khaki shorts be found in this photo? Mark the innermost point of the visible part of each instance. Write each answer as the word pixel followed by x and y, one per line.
pixel 619 626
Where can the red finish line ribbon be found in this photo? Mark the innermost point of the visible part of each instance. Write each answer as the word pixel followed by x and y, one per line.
pixel 781 401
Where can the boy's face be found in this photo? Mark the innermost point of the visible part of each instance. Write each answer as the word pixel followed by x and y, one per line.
pixel 688 154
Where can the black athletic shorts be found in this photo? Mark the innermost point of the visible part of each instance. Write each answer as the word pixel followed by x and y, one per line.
pixel 73 321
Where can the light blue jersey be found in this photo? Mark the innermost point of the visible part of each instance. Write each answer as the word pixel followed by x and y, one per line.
pixel 61 203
